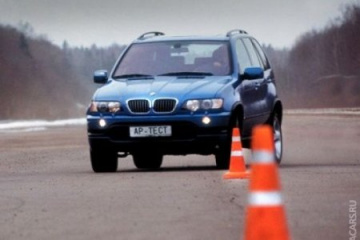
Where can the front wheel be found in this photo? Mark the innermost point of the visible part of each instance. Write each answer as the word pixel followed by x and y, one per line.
pixel 222 157
pixel 104 160
pixel 145 160
pixel 278 140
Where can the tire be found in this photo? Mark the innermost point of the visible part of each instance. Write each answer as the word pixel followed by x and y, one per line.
pixel 222 157
pixel 147 161
pixel 104 160
pixel 278 139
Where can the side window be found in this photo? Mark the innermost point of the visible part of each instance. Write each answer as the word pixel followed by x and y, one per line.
pixel 261 54
pixel 242 56
pixel 252 53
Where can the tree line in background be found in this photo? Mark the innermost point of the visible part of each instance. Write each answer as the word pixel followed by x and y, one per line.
pixel 322 69
pixel 41 80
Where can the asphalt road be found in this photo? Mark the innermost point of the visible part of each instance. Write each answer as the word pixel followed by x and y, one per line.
pixel 48 190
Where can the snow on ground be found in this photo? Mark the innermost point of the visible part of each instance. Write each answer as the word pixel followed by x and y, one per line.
pixel 325 111
pixel 37 125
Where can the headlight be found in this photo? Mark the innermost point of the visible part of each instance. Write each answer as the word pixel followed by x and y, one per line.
pixel 104 107
pixel 193 105
pixel 205 104
pixel 114 107
pixel 217 103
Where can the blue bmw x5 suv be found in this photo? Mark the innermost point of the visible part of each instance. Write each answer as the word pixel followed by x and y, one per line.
pixel 181 95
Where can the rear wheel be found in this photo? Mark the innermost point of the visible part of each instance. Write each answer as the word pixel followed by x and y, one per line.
pixel 147 161
pixel 278 141
pixel 104 160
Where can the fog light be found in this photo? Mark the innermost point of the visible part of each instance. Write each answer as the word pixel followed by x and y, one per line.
pixel 206 120
pixel 102 123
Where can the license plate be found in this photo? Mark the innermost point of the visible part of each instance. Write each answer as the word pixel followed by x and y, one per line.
pixel 150 131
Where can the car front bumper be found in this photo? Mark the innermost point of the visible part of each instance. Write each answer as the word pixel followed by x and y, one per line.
pixel 189 133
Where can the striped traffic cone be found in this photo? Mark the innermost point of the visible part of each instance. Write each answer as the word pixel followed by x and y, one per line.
pixel 237 164
pixel 265 215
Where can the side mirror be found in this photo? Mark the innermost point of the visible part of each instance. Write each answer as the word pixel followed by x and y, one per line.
pixel 253 73
pixel 100 76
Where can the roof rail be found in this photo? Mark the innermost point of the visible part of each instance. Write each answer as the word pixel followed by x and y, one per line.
pixel 143 36
pixel 229 33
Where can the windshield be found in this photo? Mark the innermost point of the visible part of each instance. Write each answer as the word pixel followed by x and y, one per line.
pixel 175 58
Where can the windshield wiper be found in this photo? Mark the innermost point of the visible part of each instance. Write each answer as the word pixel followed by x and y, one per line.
pixel 134 75
pixel 187 74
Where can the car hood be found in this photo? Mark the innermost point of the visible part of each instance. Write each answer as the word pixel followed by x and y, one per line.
pixel 177 87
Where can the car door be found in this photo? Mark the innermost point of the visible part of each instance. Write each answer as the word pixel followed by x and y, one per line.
pixel 260 86
pixel 267 87
pixel 247 88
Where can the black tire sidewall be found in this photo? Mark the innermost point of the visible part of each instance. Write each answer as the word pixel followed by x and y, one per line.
pixel 103 160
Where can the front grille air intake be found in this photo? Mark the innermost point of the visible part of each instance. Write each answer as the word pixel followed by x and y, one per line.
pixel 164 105
pixel 139 106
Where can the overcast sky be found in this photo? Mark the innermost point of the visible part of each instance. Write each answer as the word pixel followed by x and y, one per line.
pixel 103 22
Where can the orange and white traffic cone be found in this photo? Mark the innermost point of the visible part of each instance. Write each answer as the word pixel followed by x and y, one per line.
pixel 265 214
pixel 237 164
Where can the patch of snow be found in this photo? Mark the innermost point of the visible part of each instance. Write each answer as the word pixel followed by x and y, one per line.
pixel 38 125
pixel 325 111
